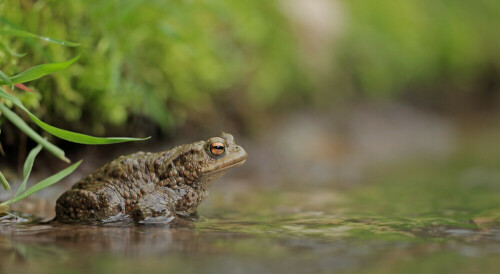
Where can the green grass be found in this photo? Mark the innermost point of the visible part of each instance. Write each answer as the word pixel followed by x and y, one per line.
pixel 168 61
pixel 7 98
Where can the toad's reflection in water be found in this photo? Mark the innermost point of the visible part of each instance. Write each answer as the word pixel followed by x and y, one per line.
pixel 128 240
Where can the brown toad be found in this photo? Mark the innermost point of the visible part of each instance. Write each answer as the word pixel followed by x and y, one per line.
pixel 151 187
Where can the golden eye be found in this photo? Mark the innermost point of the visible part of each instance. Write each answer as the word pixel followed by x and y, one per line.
pixel 217 148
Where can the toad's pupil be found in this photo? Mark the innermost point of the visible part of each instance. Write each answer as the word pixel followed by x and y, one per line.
pixel 217 149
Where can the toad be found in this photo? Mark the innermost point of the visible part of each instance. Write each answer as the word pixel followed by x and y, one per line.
pixel 151 187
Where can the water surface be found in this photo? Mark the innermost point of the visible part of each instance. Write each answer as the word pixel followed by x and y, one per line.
pixel 420 215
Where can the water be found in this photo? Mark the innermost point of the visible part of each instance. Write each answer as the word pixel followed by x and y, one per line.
pixel 267 230
pixel 419 215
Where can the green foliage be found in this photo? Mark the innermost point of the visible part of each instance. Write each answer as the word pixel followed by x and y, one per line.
pixel 28 165
pixel 4 182
pixel 21 33
pixel 176 60
pixel 37 72
pixel 10 51
pixel 43 184
pixel 160 59
pixel 391 46
pixel 21 125
pixel 5 98
pixel 6 80
pixel 63 134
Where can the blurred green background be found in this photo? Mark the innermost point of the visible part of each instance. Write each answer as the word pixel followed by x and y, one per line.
pixel 172 64
pixel 168 62
pixel 372 130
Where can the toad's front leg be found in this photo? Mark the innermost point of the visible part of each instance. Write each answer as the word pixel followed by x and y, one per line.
pixel 155 207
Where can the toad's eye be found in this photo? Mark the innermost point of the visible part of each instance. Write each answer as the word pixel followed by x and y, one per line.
pixel 217 148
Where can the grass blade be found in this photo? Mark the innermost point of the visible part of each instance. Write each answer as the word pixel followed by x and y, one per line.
pixel 18 121
pixel 6 79
pixel 81 138
pixel 28 165
pixel 22 33
pixel 65 134
pixel 47 182
pixel 10 51
pixel 39 71
pixel 4 94
pixel 4 182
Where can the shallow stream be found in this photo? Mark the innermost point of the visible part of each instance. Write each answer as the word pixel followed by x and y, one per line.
pixel 421 215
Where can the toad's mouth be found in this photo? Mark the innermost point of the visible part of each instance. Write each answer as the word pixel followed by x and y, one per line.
pixel 231 165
